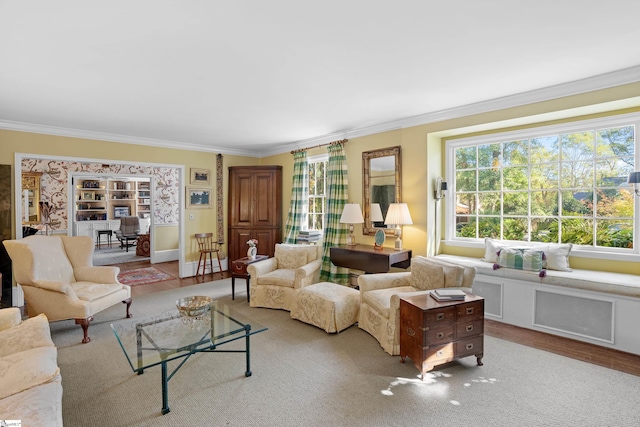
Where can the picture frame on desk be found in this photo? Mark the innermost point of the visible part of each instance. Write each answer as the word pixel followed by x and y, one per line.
pixel 87 195
pixel 201 176
pixel 198 197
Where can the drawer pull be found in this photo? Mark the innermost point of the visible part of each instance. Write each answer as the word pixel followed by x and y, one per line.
pixel 439 353
pixel 411 332
pixel 469 310
pixel 469 346
pixel 440 335
pixel 469 328
pixel 439 316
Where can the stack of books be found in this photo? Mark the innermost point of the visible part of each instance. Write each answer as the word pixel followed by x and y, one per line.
pixel 448 295
pixel 309 236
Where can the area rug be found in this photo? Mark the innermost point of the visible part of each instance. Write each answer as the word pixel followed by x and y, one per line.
pixel 143 276
pixel 115 255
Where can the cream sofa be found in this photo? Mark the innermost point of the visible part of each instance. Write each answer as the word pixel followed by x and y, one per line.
pixel 274 280
pixel 380 295
pixel 30 382
pixel 59 280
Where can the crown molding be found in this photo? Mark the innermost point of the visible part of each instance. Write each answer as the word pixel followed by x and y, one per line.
pixel 111 137
pixel 590 84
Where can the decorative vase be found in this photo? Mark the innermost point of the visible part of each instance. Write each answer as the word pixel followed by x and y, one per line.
pixel 251 252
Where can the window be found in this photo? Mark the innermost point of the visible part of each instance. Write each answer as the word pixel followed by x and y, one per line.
pixel 317 192
pixel 562 184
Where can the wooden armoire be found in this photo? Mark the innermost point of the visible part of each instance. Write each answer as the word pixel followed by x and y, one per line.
pixel 255 209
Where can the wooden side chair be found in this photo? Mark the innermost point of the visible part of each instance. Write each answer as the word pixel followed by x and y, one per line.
pixel 207 246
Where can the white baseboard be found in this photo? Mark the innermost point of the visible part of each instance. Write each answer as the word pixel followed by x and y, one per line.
pixel 166 256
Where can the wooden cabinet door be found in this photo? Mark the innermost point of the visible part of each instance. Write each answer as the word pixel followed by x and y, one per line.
pixel 241 199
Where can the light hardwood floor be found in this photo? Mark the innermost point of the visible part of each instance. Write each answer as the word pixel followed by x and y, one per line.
pixel 602 356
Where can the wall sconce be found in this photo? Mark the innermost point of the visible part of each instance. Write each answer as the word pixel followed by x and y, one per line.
pixel 441 188
pixel 398 215
pixel 351 214
pixel 634 179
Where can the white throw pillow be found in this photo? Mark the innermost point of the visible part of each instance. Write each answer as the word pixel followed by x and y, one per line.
pixel 491 249
pixel 557 256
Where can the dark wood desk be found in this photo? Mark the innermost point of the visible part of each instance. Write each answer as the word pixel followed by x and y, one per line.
pixel 369 259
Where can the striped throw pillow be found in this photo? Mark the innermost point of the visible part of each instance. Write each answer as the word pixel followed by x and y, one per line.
pixel 521 259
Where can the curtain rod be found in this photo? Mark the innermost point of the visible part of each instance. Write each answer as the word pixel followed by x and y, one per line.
pixel 342 141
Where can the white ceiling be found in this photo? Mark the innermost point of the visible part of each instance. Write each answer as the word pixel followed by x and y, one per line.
pixel 261 77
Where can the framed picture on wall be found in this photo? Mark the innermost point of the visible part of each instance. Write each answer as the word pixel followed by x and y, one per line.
pixel 201 176
pixel 198 197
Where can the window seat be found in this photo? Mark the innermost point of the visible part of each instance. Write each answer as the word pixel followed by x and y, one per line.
pixel 600 308
pixel 590 280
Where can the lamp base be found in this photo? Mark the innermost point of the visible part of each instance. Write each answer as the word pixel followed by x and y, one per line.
pixel 398 245
pixel 351 240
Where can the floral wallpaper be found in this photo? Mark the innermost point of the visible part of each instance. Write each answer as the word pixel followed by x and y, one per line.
pixel 55 178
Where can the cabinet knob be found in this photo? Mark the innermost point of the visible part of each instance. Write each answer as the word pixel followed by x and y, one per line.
pixel 469 346
pixel 469 310
pixel 469 328
pixel 439 316
pixel 411 332
pixel 440 335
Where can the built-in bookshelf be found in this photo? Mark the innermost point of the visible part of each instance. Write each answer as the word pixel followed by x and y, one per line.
pixel 111 199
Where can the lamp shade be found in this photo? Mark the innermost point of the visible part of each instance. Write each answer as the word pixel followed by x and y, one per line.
pixel 398 214
pixel 376 212
pixel 351 214
pixel 634 178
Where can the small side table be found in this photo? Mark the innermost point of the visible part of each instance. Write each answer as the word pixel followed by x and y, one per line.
pixel 239 270
pixel 100 233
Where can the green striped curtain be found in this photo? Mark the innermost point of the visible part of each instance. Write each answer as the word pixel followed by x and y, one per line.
pixel 334 232
pixel 298 206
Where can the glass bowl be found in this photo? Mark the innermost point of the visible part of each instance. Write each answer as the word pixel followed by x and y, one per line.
pixel 194 306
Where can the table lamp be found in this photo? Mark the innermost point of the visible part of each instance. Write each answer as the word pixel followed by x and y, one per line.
pixel 398 215
pixel 351 214
pixel 376 213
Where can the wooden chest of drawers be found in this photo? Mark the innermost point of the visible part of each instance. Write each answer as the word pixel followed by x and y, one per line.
pixel 433 332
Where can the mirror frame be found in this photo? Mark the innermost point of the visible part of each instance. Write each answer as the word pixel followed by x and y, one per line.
pixel 31 182
pixel 367 227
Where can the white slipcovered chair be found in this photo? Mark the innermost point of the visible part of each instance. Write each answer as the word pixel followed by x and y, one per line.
pixel 58 279
pixel 274 280
pixel 380 295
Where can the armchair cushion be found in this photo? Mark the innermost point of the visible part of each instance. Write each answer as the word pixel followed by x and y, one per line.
pixel 427 274
pixel 31 333
pixel 380 299
pixel 291 257
pixel 280 277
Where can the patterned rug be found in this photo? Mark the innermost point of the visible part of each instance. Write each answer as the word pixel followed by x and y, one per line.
pixel 143 276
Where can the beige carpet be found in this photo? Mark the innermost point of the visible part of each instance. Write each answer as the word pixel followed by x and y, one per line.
pixel 305 377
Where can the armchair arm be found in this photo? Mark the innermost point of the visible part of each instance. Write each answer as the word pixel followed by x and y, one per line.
pixel 262 267
pixel 305 274
pixel 369 282
pixel 9 317
pixel 101 274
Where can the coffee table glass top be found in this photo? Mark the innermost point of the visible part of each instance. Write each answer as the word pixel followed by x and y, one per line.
pixel 152 340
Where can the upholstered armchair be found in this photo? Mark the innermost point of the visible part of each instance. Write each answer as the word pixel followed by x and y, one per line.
pixel 58 279
pixel 380 295
pixel 128 232
pixel 274 280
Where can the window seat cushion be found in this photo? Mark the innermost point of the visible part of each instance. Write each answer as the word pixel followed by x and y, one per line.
pixel 591 280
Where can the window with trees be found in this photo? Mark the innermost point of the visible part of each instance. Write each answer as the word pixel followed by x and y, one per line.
pixel 317 192
pixel 566 184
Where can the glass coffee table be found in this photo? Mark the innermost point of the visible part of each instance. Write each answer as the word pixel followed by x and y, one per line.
pixel 157 340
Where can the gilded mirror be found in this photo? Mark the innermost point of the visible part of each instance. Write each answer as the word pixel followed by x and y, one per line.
pixel 31 198
pixel 381 185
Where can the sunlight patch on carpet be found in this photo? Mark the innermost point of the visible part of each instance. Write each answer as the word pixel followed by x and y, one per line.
pixel 143 276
